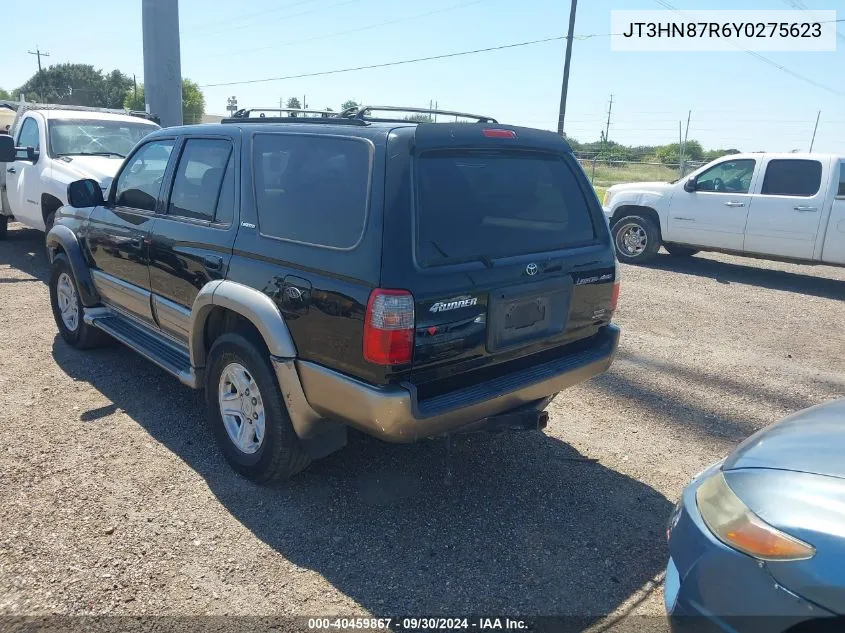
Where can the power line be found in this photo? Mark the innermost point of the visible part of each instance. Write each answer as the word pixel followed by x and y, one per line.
pixel 251 15
pixel 797 4
pixel 387 64
pixel 229 29
pixel 763 58
pixel 339 33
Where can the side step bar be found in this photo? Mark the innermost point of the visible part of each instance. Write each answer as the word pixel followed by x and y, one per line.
pixel 151 345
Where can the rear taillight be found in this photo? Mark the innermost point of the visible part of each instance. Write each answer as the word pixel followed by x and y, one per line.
pixel 389 327
pixel 614 298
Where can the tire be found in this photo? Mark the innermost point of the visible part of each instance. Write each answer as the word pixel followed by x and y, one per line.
pixel 636 239
pixel 49 221
pixel 4 226
pixel 64 293
pixel 263 457
pixel 680 251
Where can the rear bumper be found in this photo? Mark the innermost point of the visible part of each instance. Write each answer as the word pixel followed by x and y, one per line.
pixel 394 414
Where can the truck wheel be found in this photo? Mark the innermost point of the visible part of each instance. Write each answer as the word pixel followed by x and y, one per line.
pixel 247 414
pixel 680 251
pixel 67 308
pixel 636 238
pixel 4 226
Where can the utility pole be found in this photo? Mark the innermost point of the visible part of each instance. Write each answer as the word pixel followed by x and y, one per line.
pixel 162 61
pixel 607 127
pixel 565 87
pixel 134 90
pixel 686 135
pixel 37 52
pixel 818 116
pixel 680 150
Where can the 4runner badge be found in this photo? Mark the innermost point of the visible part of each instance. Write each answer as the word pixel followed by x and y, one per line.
pixel 453 304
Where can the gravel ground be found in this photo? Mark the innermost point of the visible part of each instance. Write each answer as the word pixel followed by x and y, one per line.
pixel 114 499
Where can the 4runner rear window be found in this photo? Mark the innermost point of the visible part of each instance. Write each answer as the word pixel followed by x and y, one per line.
pixel 488 204
pixel 312 189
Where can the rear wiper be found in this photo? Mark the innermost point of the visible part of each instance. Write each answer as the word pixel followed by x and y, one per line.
pixel 484 259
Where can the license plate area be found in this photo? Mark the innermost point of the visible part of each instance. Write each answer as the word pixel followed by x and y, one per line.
pixel 523 314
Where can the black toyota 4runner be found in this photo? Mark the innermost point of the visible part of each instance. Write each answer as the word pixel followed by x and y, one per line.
pixel 313 273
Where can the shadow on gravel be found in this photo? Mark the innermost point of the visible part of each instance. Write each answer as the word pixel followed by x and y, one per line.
pixel 726 272
pixel 24 249
pixel 527 527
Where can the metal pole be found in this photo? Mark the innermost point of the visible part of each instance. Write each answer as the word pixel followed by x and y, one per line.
pixel 818 116
pixel 607 127
pixel 680 151
pixel 38 54
pixel 162 60
pixel 686 135
pixel 565 87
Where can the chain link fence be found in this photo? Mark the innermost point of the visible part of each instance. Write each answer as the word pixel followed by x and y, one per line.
pixel 604 172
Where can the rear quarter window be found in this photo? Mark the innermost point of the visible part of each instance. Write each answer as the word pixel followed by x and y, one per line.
pixel 493 203
pixel 792 177
pixel 312 189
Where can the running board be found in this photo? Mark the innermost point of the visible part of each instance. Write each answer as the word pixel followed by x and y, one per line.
pixel 149 344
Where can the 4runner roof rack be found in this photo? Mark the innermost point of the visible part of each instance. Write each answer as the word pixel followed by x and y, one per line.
pixel 360 113
pixel 289 115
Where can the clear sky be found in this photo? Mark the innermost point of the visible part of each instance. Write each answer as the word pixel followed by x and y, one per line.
pixel 736 100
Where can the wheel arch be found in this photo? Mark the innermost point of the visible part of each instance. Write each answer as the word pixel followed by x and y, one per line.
pixel 61 238
pixel 627 210
pixel 252 305
pixel 49 204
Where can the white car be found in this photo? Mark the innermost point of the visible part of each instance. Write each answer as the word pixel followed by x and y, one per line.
pixel 56 146
pixel 778 206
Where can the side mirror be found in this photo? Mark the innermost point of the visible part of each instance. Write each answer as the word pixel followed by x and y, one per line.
pixel 689 185
pixel 7 149
pixel 32 154
pixel 84 193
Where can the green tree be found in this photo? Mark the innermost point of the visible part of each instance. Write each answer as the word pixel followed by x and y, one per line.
pixel 419 118
pixel 115 85
pixel 5 95
pixel 293 102
pixel 193 101
pixel 351 103
pixel 69 84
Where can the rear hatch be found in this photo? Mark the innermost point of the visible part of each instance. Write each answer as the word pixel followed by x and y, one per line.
pixel 508 260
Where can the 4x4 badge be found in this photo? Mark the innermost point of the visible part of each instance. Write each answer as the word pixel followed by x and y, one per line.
pixel 531 269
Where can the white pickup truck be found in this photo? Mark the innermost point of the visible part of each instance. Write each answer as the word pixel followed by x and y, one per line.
pixel 56 145
pixel 775 206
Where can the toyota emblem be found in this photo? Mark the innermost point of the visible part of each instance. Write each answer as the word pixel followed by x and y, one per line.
pixel 531 269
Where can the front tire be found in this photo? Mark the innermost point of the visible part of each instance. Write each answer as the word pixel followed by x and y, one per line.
pixel 247 413
pixel 680 251
pixel 636 239
pixel 67 308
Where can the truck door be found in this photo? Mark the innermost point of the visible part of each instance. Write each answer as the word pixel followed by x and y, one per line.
pixel 833 251
pixel 23 180
pixel 784 216
pixel 715 213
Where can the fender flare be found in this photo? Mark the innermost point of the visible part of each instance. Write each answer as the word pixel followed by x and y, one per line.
pixel 252 304
pixel 62 237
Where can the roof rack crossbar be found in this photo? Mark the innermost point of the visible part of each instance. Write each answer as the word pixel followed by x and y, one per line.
pixel 309 120
pixel 247 113
pixel 360 112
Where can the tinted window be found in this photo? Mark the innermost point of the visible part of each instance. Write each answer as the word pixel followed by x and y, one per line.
pixel 841 179
pixel 731 176
pixel 311 189
pixel 199 178
pixel 139 183
pixel 481 203
pixel 28 136
pixel 791 177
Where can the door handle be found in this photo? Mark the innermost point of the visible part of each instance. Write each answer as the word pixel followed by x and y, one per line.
pixel 805 209
pixel 11 170
pixel 212 262
pixel 734 203
pixel 136 242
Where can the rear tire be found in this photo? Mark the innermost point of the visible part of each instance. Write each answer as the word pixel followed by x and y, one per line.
pixel 636 239
pixel 67 308
pixel 256 436
pixel 680 251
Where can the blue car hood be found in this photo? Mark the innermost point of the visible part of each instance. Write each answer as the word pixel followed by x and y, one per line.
pixel 810 441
